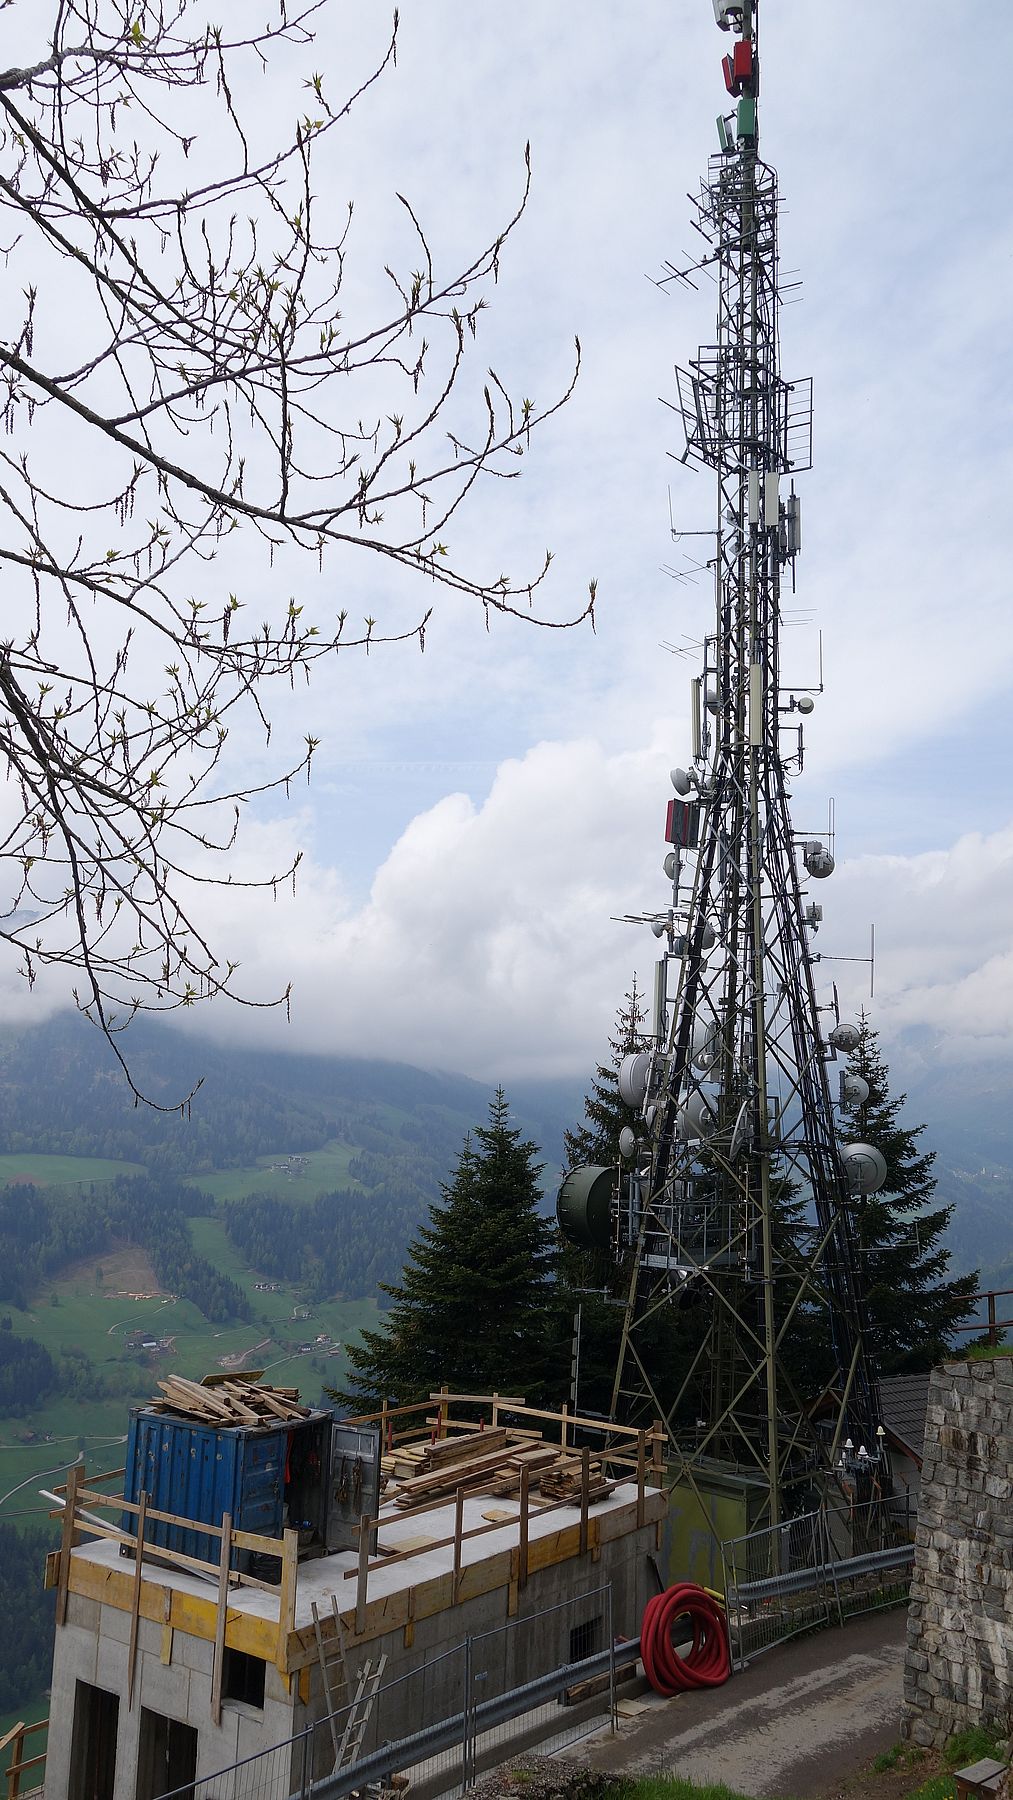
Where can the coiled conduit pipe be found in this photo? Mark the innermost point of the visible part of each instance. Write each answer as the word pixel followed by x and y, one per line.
pixel 708 1663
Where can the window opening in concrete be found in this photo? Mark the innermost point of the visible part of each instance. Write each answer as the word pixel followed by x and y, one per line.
pixel 585 1639
pixel 166 1755
pixel 243 1677
pixel 93 1745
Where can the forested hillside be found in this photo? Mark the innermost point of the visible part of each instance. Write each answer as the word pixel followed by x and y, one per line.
pixel 61 1090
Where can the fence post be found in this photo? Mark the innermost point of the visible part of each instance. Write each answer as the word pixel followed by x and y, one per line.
pixel 993 1334
pixel 641 1457
pixel 832 1560
pixel 468 1744
pixel 304 1777
pixel 613 1714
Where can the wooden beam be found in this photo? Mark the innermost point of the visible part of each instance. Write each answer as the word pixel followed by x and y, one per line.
pixel 67 1541
pixel 458 1533
pixel 522 1543
pixel 135 1605
pixel 217 1667
pixel 585 1482
pixel 287 1597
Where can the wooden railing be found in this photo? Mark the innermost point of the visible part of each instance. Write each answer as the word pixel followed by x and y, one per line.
pixel 77 1522
pixel 636 1452
pixel 14 1740
pixel 645 1454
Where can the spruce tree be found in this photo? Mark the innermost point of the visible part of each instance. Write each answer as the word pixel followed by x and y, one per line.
pixel 472 1306
pixel 605 1114
pixel 591 1278
pixel 913 1308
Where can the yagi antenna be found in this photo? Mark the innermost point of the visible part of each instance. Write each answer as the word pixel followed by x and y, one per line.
pixel 821 956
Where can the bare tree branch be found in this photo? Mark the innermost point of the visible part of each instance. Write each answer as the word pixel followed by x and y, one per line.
pixel 211 398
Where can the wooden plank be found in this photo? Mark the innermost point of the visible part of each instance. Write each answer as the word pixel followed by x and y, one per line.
pixel 14 1770
pixel 522 1541
pixel 217 1666
pixel 219 1376
pixel 287 1597
pixel 474 1399
pixel 68 1539
pixel 458 1532
pixel 193 1614
pixel 178 1559
pixel 135 1606
pixel 455 1449
pixel 107 1475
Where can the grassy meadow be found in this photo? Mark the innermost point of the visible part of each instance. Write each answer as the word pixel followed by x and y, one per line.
pixel 320 1172
pixel 95 1305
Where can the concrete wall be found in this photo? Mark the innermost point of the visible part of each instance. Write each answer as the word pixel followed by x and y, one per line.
pixel 93 1647
pixel 507 1651
pixel 960 1626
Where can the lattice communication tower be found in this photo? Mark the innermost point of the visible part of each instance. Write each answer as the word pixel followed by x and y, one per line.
pixel 736 1222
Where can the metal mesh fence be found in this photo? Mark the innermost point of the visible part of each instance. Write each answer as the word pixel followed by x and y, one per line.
pixel 546 1678
pixel 819 1568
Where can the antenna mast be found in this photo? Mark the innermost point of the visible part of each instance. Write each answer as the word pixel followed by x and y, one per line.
pixel 738 1230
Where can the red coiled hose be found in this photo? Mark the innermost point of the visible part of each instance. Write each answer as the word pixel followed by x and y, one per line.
pixel 708 1663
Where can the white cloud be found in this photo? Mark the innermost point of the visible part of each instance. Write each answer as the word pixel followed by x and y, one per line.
pixel 486 941
pixel 476 934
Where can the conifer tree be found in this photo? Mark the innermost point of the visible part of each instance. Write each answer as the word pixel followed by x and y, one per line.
pixel 593 1279
pixel 605 1114
pixel 913 1307
pixel 472 1306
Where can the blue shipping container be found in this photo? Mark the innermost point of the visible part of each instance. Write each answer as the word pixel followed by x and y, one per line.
pixel 200 1472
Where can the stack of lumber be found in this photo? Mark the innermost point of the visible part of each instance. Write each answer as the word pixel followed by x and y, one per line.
pixel 408 1460
pixel 228 1400
pixel 563 1481
pixel 493 1464
pixel 536 1460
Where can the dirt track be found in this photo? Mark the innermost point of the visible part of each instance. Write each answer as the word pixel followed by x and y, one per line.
pixel 800 1720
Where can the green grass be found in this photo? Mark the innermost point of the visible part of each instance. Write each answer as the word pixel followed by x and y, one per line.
pixel 670 1787
pixel 62 1171
pixel 325 1170
pixel 98 1324
pixel 964 1747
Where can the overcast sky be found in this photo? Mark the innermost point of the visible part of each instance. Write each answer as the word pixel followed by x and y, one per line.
pixel 478 813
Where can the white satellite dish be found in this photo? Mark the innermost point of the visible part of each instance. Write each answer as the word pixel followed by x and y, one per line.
pixel 634 1072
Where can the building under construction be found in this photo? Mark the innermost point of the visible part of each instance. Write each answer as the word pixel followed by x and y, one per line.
pixel 259 1568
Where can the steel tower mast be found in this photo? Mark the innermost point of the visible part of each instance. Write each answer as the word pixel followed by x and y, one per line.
pixel 739 1229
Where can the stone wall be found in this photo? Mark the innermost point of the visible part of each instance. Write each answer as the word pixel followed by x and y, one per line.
pixel 959 1667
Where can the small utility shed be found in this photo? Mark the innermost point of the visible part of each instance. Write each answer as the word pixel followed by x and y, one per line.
pixel 905 1401
pixel 168 1669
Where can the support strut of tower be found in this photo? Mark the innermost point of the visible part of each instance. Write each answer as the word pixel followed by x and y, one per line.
pixel 739 1230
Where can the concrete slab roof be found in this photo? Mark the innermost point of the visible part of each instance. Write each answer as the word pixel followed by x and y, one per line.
pixel 324 1576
